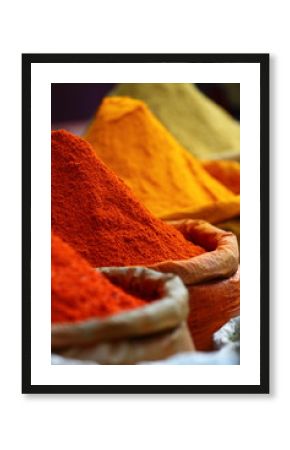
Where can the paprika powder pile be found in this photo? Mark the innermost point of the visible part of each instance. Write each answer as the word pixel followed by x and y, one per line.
pixel 165 177
pixel 199 124
pixel 98 215
pixel 79 292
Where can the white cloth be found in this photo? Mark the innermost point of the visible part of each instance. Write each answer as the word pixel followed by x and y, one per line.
pixel 226 339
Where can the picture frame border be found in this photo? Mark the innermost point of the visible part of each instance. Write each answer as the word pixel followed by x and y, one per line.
pixel 261 58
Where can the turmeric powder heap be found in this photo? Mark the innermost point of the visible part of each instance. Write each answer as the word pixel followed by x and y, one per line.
pixel 94 212
pixel 226 172
pixel 199 124
pixel 79 292
pixel 166 178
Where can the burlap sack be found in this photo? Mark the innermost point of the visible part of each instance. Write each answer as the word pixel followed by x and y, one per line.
pixel 212 279
pixel 152 332
pixel 212 304
pixel 133 350
pixel 220 261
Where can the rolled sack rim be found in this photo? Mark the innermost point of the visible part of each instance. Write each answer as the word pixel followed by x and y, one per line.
pixel 220 261
pixel 160 315
pixel 134 350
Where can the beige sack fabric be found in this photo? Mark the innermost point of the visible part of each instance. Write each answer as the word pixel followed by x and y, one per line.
pixel 144 334
pixel 134 350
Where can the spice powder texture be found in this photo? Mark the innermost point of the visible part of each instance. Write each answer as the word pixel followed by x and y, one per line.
pixel 79 292
pixel 226 172
pixel 99 216
pixel 199 124
pixel 165 177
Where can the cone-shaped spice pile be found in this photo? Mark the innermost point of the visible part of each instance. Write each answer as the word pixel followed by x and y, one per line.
pixel 165 177
pixel 199 124
pixel 99 216
pixel 79 292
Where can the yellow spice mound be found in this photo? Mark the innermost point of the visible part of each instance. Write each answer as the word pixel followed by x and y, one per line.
pixel 166 178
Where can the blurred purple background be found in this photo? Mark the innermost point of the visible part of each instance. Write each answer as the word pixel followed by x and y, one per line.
pixel 71 102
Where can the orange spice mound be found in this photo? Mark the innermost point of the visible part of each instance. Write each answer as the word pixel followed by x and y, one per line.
pixel 162 174
pixel 79 292
pixel 99 216
pixel 226 172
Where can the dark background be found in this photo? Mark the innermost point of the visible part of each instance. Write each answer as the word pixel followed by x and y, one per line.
pixel 79 101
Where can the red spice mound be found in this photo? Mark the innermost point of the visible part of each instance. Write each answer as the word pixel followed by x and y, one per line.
pixel 95 212
pixel 79 292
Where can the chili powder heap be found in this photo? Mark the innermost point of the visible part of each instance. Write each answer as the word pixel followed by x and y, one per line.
pixel 98 215
pixel 79 292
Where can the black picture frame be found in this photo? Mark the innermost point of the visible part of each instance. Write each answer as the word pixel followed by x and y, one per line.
pixel 263 61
